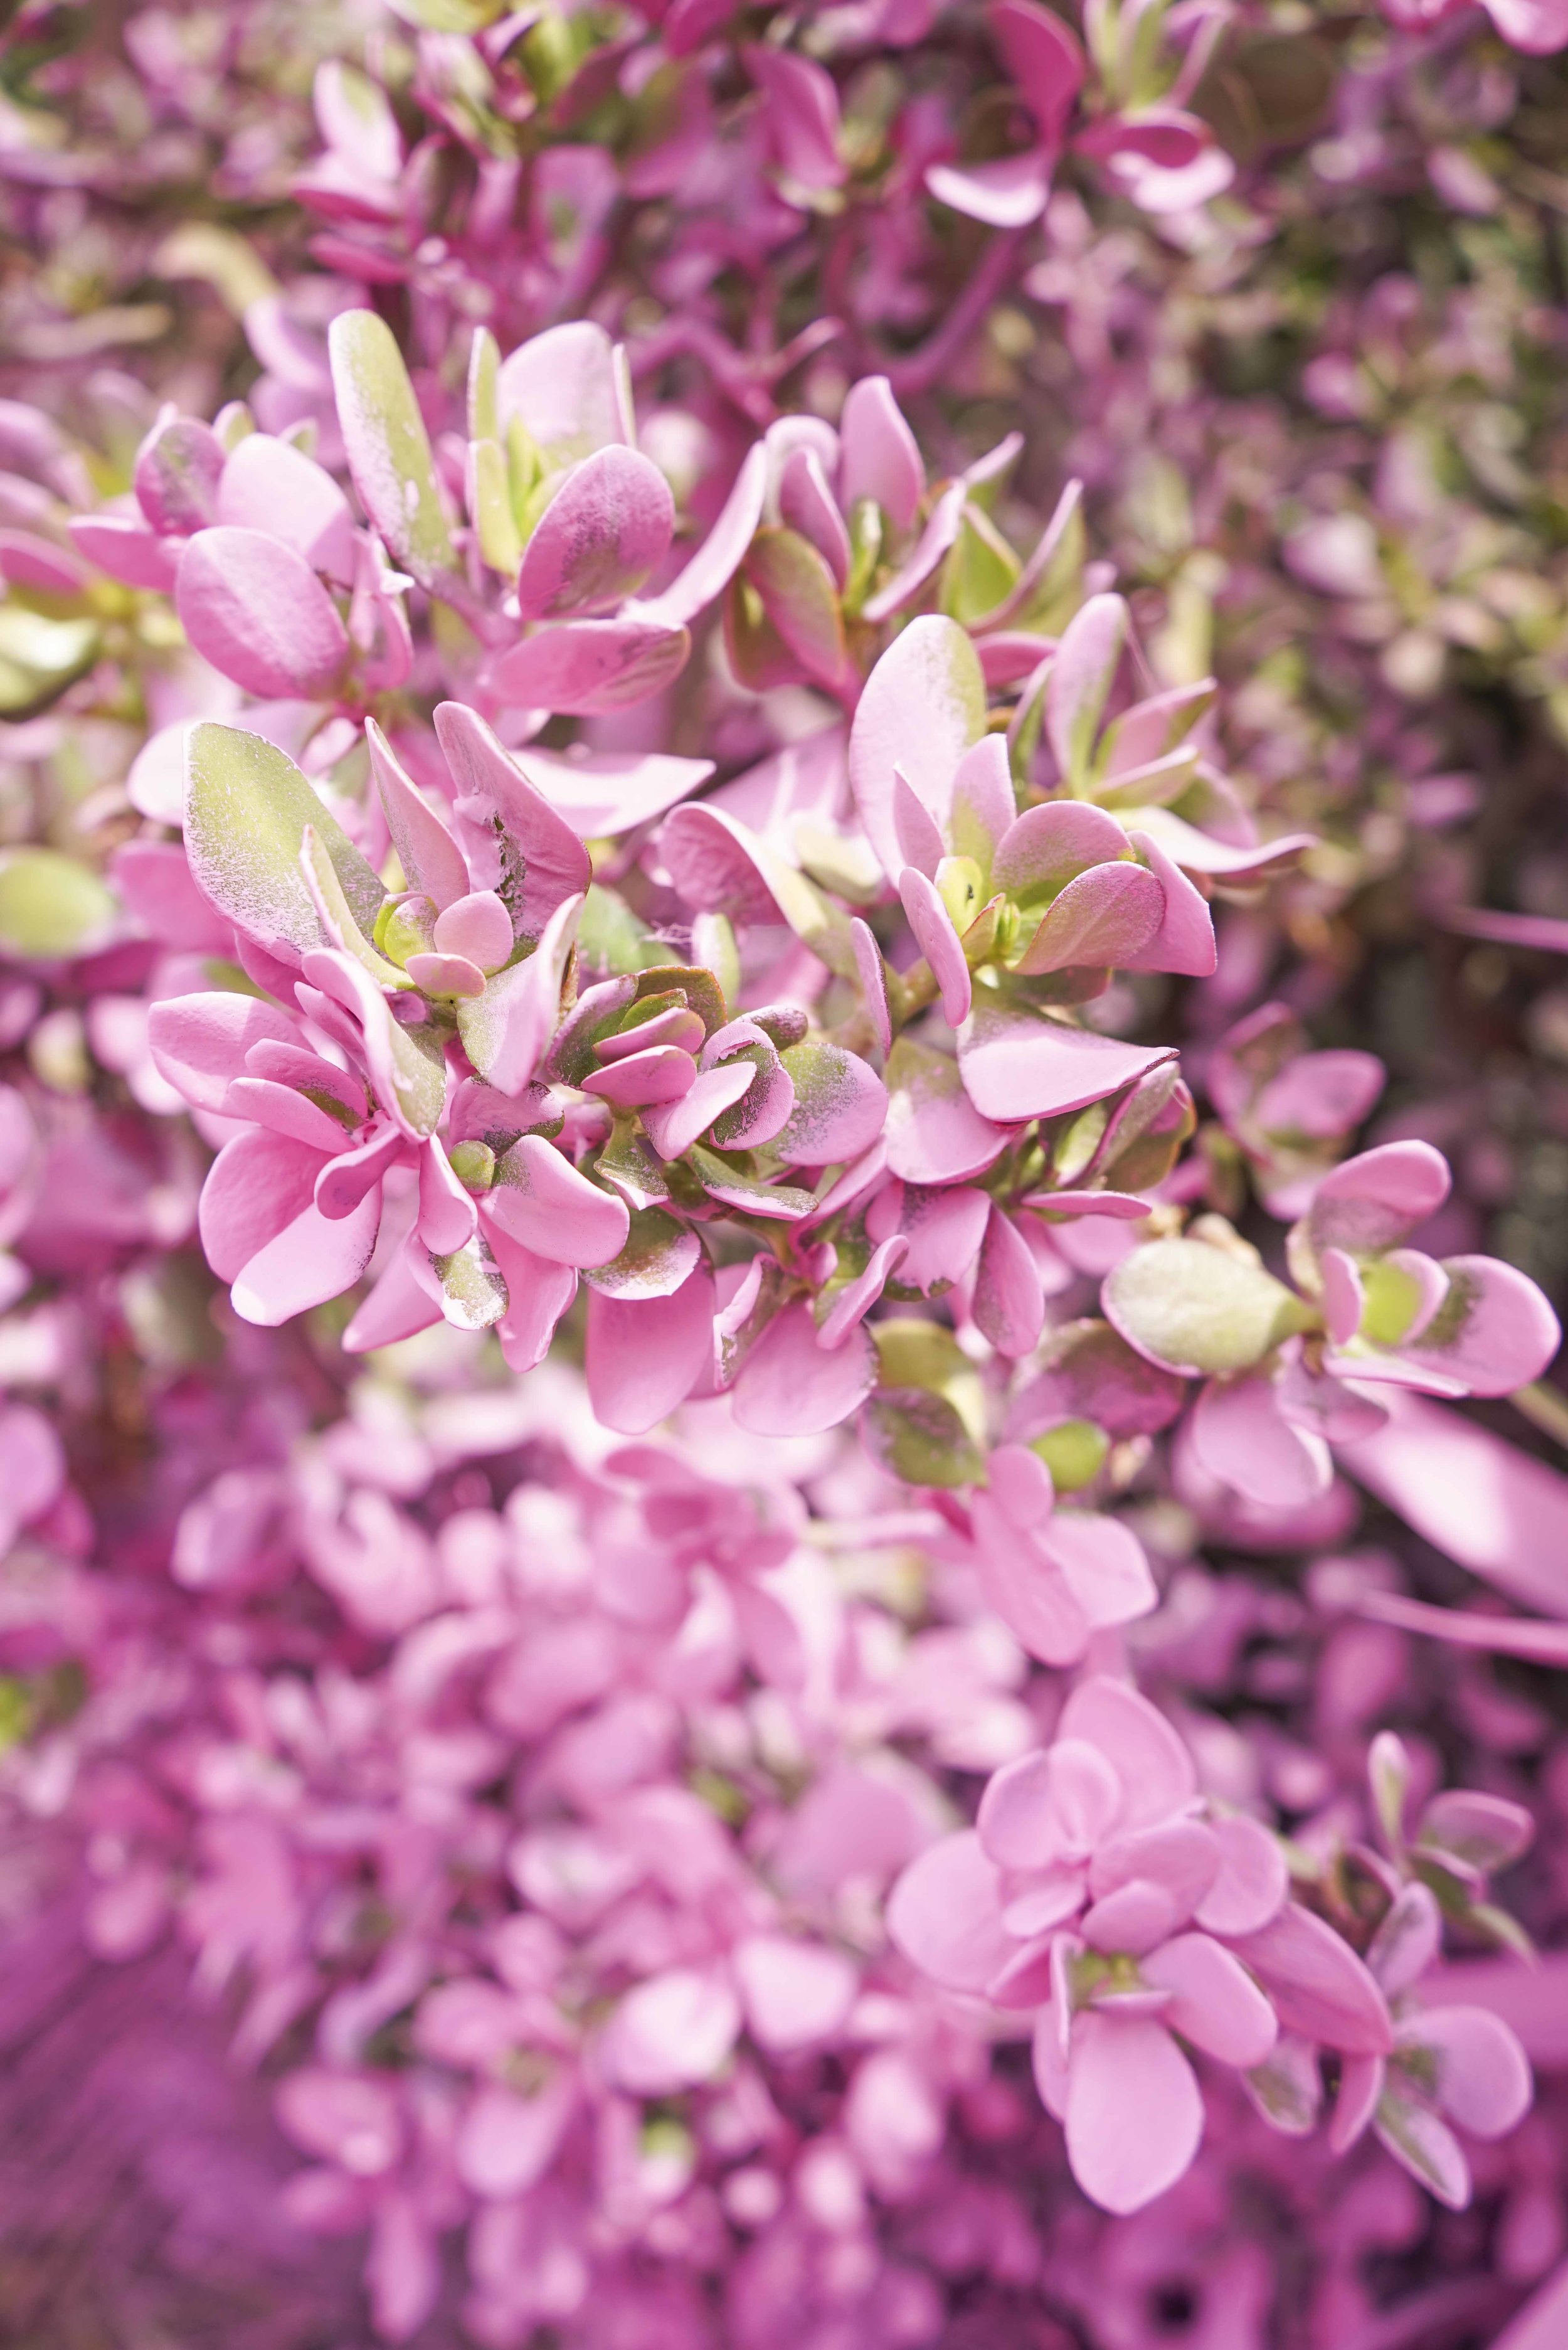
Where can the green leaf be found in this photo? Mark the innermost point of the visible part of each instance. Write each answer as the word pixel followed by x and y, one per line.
pixel 630 1164
pixel 489 506
pixel 333 907
pixel 50 907
pixel 247 809
pixel 658 1255
pixel 611 938
pixel 918 1353
pixel 699 988
pixel 801 601
pixel 920 1437
pixel 474 1287
pixel 39 658
pixel 387 446
pixel 483 386
pixel 980 569
pixel 1196 1309
pixel 734 1187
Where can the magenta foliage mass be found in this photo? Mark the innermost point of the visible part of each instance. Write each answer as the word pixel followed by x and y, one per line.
pixel 782 1147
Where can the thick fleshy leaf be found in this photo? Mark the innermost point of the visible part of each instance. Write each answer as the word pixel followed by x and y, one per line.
pixel 945 1914
pixel 1218 2006
pixel 1494 1330
pixel 840 1105
pixel 1361 2085
pixel 1409 1941
pixel 1018 1065
pixel 1287 2087
pixel 608 793
pixel 127 550
pixel 506 2142
pixel 1103 1564
pixel 1474 2065
pixel 538 1293
pixel 1252 1881
pixel 935 1134
pixel 200 1042
pixel 430 858
pixel 1007 193
pixel 176 475
pixel 1184 940
pixel 671 2033
pixel 1426 2146
pixel 605 531
pixel 1154 1766
pixel 1022 1486
pixel 312 1259
pixel 1101 917
pixel 718 558
pixel 407 1065
pixel 345 1179
pixel 1485 1832
pixel 923 706
pixel 1241 1437
pixel 562 387
pixel 1194 1308
pixel 645 1356
pixel 878 455
pixel 399 1305
pixel 1081 676
pixel 1027 1588
pixel 552 1210
pixel 920 1437
pixel 586 668
pixel 939 943
pixel 247 809
pixel 256 610
pixel 659 1256
pixel 639 1080
pixel 1318 1986
pixel 801 114
pixel 872 977
pixel 269 485
pixel 794 1993
pixel 675 1126
pixel 1009 1302
pixel 1135 2116
pixel 508 1030
pixel 1047 846
pixel 943 528
pixel 801 601
pixel 477 926
pixel 791 1385
pixel 256 1186
pixel 283 1111
pixel 388 447
pixel 1497 1510
pixel 807 506
pixel 1044 58
pixel 541 861
pixel 848 1306
pixel 1201 852
pixel 1375 1199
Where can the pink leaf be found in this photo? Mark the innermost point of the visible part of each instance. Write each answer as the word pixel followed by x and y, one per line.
pixel 1135 2117
pixel 256 609
pixel 1018 1065
pixel 605 531
pixel 586 667
pixel 644 1355
pixel 791 1385
pixel 271 486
